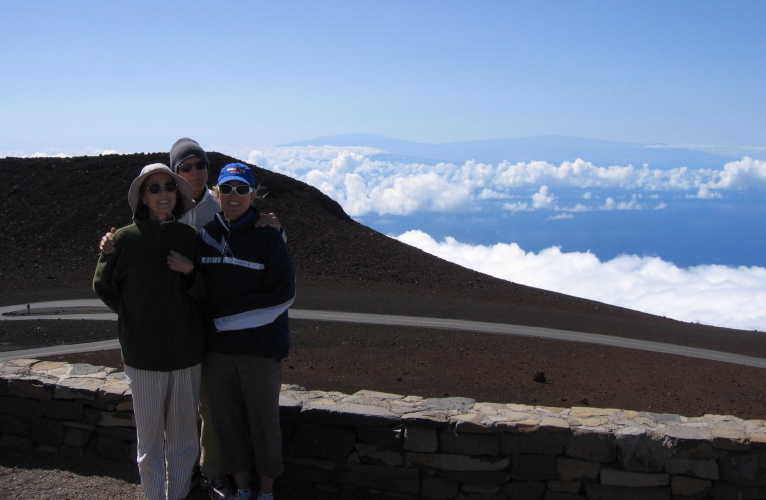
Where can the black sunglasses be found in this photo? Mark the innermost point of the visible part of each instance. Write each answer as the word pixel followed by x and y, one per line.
pixel 155 188
pixel 242 189
pixel 187 167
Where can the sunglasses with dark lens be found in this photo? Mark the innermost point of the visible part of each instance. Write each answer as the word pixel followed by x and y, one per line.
pixel 242 189
pixel 155 188
pixel 187 167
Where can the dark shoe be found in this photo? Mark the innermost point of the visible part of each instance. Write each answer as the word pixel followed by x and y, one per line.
pixel 195 479
pixel 219 489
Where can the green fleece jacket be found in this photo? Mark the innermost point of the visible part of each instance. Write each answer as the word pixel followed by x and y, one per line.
pixel 158 309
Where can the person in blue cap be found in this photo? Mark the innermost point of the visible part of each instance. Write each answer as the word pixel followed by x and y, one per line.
pixel 251 284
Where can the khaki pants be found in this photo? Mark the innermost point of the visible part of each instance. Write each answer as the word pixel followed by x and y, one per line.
pixel 244 396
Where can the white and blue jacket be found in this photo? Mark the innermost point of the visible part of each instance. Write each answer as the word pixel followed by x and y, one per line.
pixel 251 284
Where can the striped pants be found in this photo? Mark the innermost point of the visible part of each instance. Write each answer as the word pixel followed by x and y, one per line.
pixel 165 406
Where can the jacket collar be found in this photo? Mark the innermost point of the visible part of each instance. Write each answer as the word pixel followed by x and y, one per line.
pixel 248 220
pixel 154 225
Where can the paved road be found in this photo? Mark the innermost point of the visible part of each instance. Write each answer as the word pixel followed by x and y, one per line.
pixel 95 310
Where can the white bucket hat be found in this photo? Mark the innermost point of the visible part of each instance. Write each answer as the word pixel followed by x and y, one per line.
pixel 184 188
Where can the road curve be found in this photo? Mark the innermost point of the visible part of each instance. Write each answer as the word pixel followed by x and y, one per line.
pixel 94 309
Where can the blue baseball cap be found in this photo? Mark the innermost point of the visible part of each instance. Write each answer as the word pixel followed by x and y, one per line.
pixel 237 172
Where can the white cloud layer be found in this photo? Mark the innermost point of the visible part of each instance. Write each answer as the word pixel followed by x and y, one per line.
pixel 709 294
pixel 364 184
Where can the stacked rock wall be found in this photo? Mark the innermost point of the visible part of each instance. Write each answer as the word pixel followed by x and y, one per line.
pixel 411 447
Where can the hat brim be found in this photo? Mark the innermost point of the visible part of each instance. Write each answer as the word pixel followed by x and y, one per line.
pixel 236 178
pixel 184 188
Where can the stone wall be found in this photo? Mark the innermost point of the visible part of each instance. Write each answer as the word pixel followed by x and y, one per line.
pixel 411 447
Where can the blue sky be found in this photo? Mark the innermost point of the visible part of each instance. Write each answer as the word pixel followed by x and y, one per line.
pixel 134 76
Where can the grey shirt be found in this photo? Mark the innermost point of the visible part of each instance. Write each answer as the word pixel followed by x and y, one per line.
pixel 203 212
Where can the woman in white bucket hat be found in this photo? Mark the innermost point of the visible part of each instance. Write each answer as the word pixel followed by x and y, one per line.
pixel 151 282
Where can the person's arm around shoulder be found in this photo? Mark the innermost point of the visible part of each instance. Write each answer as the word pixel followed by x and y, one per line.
pixel 270 220
pixel 106 245
pixel 104 282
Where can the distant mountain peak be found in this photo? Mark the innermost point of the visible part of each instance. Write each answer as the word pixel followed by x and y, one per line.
pixel 550 148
